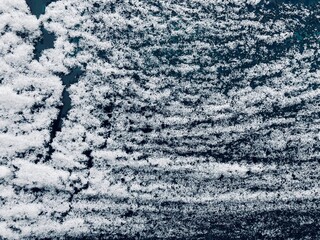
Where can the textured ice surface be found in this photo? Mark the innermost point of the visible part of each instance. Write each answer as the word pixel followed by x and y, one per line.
pixel 160 119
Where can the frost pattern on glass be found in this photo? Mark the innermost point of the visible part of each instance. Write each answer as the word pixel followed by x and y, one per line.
pixel 160 119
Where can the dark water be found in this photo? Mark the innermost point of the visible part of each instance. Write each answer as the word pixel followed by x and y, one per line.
pixel 46 42
pixel 67 80
pixel 38 7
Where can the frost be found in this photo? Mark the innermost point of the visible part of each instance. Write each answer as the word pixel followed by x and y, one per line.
pixel 4 172
pixel 9 100
pixel 21 211
pixel 40 176
pixel 182 108
pixel 161 162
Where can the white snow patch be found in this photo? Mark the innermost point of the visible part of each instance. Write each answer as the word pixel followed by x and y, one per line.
pixel 4 172
pixel 39 175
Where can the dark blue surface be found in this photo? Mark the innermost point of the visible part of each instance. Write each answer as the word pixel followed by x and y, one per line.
pixel 38 7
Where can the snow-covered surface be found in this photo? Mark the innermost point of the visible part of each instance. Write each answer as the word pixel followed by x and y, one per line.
pixel 192 119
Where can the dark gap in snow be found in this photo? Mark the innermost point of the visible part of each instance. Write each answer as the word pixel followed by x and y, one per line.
pixel 38 7
pixel 90 158
pixel 46 42
pixel 72 77
pixel 67 80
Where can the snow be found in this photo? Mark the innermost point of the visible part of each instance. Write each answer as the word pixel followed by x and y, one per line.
pixel 40 176
pixel 183 107
pixel 4 172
